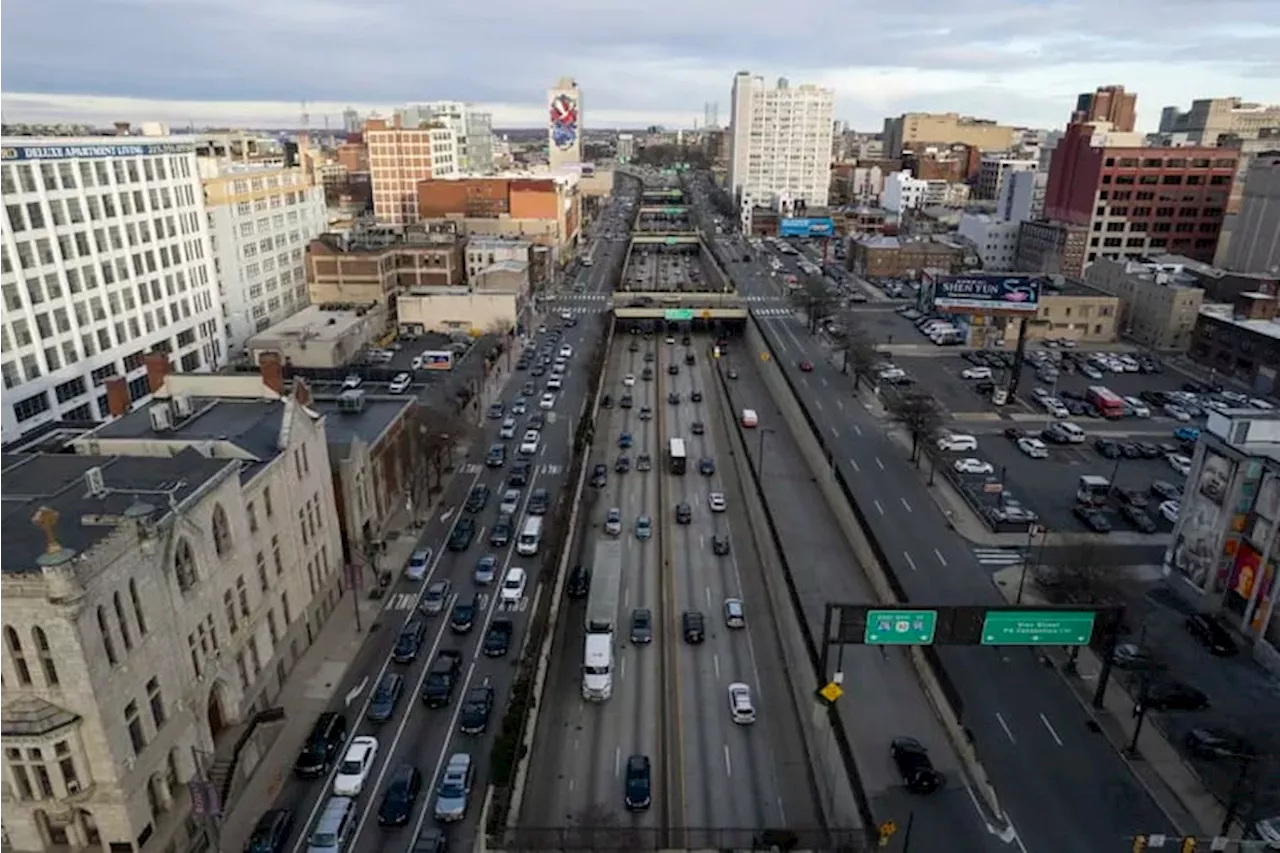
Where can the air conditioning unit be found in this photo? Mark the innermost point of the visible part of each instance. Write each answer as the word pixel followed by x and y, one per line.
pixel 96 482
pixel 161 419
pixel 351 400
pixel 182 405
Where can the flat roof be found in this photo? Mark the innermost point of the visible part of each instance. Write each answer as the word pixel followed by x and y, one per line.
pixel 314 323
pixel 57 480
pixel 379 413
pixel 251 425
pixel 1226 314
pixel 878 241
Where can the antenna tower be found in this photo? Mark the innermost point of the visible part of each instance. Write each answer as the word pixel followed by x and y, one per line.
pixel 306 117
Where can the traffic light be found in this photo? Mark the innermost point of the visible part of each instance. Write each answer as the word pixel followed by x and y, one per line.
pixel 1188 845
pixel 1139 843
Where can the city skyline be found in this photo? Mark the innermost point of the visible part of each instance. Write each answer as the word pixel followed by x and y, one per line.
pixel 1020 62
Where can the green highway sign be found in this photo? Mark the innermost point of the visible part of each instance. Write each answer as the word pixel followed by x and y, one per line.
pixel 1037 628
pixel 678 314
pixel 900 627
pixel 671 241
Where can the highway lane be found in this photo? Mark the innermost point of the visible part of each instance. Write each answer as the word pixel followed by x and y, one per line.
pixel 416 733
pixel 1064 786
pixel 885 700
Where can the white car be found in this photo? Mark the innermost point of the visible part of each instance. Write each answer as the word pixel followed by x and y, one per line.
pixel 566 351
pixel 741 708
pixel 510 502
pixel 717 502
pixel 352 382
pixel 971 465
pixel 1180 463
pixel 400 383
pixel 892 373
pixel 508 428
pixel 1033 447
pixel 976 373
pixel 529 444
pixel 629 380
pixel 513 584
pixel 1169 511
pixel 547 401
pixel 613 522
pixel 1091 371
pixel 355 767
pixel 1055 407
pixel 1178 413
pixel 554 383
pixel 1138 407
pixel 957 441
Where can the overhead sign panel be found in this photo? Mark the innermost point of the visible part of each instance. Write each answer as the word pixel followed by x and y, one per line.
pixel 978 293
pixel 1037 628
pixel 804 227
pixel 69 152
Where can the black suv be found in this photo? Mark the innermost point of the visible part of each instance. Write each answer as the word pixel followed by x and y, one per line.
pixel 478 498
pixel 638 791
pixel 497 640
pixel 692 624
pixel 912 760
pixel 463 618
pixel 684 514
pixel 720 545
pixel 477 705
pixel 539 502
pixel 437 689
pixel 402 793
pixel 497 456
pixel 271 833
pixel 579 582
pixel 322 746
pixel 385 698
pixel 463 532
pixel 519 475
pixel 410 641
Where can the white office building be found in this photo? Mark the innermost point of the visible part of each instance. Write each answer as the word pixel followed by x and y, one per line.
pixel 996 240
pixel 903 192
pixel 780 140
pixel 106 257
pixel 994 171
pixel 261 219
pixel 471 127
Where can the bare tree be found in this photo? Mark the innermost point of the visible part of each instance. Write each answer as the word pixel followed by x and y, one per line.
pixel 437 434
pixel 920 414
pixel 1077 574
pixel 857 348
pixel 814 299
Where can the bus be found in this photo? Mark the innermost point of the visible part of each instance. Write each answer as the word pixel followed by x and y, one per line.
pixel 679 456
pixel 1106 401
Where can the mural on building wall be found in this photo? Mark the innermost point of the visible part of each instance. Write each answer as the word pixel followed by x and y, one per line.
pixel 564 121
pixel 1194 553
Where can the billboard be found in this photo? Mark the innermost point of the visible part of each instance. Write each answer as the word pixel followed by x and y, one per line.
pixel 68 152
pixel 802 227
pixel 437 359
pixel 564 120
pixel 978 292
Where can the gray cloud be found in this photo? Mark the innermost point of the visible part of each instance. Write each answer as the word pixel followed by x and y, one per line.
pixel 642 55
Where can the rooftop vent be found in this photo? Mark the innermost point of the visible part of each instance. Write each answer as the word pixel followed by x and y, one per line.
pixel 96 482
pixel 161 419
pixel 351 401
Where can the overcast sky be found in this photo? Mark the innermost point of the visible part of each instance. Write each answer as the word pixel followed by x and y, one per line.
pixel 639 62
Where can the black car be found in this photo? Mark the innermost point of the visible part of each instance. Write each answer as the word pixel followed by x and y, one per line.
pixel 684 513
pixel 1131 450
pixel 527 390
pixel 1138 518
pixel 539 502
pixel 1013 433
pixel 431 840
pixel 695 395
pixel 1093 518
pixel 477 705
pixel 1211 634
pixel 497 640
pixel 644 462
pixel 463 617
pixel 519 475
pixel 497 456
pixel 690 359
pixel 638 788
pixel 692 625
pixel 641 626
pixel 1217 743
pixel 437 688
pixel 673 369
pixel 674 398
pixel 1166 491
pixel 1149 450
pixel 464 531
pixel 410 641
pixel 1174 696
pixel 697 428
pixel 626 402
pixel 599 476
pixel 1132 497
pixel 606 402
pixel 477 498
pixel 385 698
pixel 578 583
pixel 720 545
pixel 402 793
pixel 271 832
pixel 623 465
pixel 322 745
pixel 1107 448
pixel 914 766
pixel 500 535
pixel 706 466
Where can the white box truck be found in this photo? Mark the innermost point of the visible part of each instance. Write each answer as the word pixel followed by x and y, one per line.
pixel 602 621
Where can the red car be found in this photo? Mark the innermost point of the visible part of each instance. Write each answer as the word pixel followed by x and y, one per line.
pixel 806 366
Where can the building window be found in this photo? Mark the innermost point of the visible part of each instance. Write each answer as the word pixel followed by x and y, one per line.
pixel 229 605
pixel 242 594
pixel 275 555
pixel 184 565
pixel 134 724
pixel 46 656
pixel 266 501
pixel 156 700
pixel 67 765
pixel 221 532
pixel 284 607
pixel 17 657
pixel 104 629
pixel 253 517
pixel 30 776
pixel 263 584
pixel 125 634
pixel 137 607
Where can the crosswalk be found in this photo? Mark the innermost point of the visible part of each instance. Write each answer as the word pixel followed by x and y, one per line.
pixel 998 556
pixel 402 601
pixel 471 469
pixel 773 312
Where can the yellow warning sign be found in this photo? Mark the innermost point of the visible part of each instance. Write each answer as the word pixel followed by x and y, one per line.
pixel 764 356
pixel 706 315
pixel 831 692
pixel 886 831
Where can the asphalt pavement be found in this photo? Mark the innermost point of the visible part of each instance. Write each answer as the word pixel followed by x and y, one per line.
pixel 416 734
pixel 1063 787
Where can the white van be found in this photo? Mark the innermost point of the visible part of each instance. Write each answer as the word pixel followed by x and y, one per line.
pixel 1074 434
pixel 597 667
pixel 530 536
pixel 749 418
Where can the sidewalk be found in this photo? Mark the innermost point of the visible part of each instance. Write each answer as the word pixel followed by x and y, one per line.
pixel 1173 785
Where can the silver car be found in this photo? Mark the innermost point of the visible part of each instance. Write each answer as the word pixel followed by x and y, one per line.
pixel 613 522
pixel 486 570
pixel 510 501
pixel 455 788
pixel 436 597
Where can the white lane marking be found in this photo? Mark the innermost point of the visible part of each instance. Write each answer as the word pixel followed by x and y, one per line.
pixel 805 380
pixel 818 403
pixel 617 761
pixel 355 691
pixel 840 406
pixel 938 554
pixel 854 464
pixel 835 432
pixel 905 504
pixel 825 383
pixel 910 562
pixel 728 765
pixel 1049 726
pixel 715 661
pixel 572 782
pixel 1013 740
pixel 622 669
pixel 708 598
pixel 857 429
pixel 879 463
pixel 879 508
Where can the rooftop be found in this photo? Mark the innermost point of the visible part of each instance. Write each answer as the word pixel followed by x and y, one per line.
pixel 496 243
pixel 879 242
pixel 31 481
pixel 251 426
pixel 342 426
pixel 315 323
pixel 1226 313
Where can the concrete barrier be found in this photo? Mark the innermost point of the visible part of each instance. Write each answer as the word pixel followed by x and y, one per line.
pixel 870 557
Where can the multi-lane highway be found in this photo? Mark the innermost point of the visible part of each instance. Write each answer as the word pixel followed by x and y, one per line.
pixel 1062 785
pixel 670 698
pixel 426 737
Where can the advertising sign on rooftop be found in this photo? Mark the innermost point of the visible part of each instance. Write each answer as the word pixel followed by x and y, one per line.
pixel 437 360
pixel 802 227
pixel 982 293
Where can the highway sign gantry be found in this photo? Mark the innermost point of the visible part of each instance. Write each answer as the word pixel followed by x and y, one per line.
pixel 900 627
pixel 1037 628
